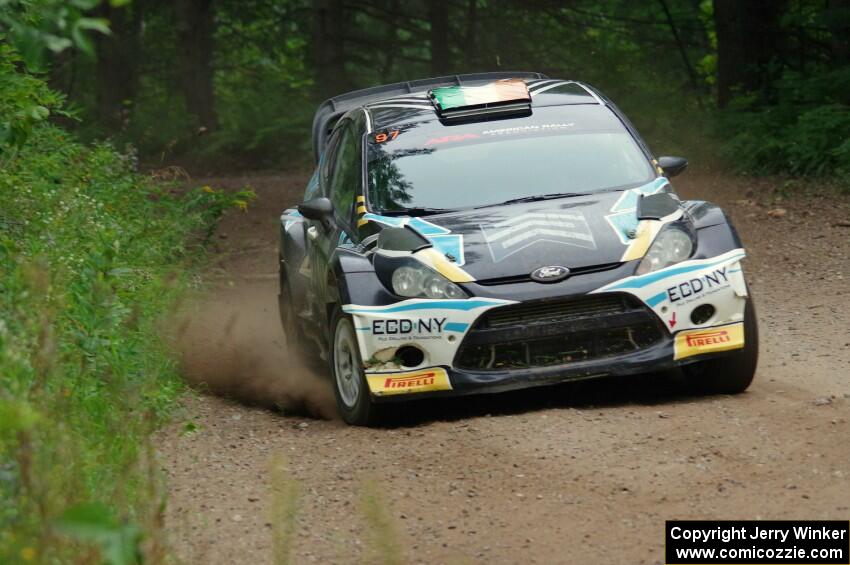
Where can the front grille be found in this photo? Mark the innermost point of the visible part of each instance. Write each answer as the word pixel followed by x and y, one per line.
pixel 544 312
pixel 556 332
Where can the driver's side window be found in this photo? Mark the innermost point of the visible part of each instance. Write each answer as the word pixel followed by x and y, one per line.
pixel 327 162
pixel 345 175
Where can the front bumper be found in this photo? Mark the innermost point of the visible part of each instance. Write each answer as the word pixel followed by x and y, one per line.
pixel 656 358
pixel 440 329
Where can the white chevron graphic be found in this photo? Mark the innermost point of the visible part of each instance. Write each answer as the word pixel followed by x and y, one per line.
pixel 515 234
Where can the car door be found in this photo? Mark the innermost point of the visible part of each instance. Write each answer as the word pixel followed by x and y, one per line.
pixel 341 182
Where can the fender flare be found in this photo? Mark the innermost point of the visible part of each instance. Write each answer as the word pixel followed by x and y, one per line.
pixel 347 265
pixel 292 250
pixel 716 234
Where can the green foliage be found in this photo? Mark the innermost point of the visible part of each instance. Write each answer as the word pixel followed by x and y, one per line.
pixel 25 101
pixel 39 26
pixel 263 91
pixel 270 62
pixel 92 256
pixel 802 131
pixel 266 86
pixel 264 101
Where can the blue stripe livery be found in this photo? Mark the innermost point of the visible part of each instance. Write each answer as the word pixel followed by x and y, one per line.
pixel 649 278
pixel 623 217
pixel 441 238
pixel 463 304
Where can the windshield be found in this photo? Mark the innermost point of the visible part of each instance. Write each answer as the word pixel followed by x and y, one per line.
pixel 491 162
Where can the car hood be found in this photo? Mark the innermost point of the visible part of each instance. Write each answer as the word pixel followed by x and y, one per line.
pixel 514 240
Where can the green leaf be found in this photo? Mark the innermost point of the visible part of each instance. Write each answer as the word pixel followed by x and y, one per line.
pixel 120 271
pixel 95 523
pixel 189 428
pixel 85 4
pixel 39 113
pixel 17 416
pixel 95 24
pixel 86 521
pixel 56 43
pixel 82 42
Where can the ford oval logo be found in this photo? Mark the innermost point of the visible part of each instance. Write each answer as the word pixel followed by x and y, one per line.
pixel 550 274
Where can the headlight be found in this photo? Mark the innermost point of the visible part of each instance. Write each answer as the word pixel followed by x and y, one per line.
pixel 418 281
pixel 672 245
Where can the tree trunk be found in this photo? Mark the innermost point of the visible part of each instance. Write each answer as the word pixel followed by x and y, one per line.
pixel 748 39
pixel 838 18
pixel 117 63
pixel 471 39
pixel 329 48
pixel 438 16
pixel 196 27
pixel 683 53
pixel 390 33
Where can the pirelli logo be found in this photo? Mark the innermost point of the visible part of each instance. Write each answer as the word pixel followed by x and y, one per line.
pixel 708 338
pixel 711 340
pixel 425 380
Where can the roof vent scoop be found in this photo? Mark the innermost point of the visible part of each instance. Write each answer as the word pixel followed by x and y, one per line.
pixel 498 99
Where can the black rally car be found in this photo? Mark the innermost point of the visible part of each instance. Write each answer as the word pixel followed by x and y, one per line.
pixel 480 233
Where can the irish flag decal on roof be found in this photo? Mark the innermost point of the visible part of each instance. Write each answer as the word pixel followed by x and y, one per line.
pixel 497 93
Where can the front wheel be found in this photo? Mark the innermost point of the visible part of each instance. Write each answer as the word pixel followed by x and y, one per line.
pixel 350 387
pixel 733 373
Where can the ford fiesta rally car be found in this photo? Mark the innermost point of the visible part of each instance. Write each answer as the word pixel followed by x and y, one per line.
pixel 488 232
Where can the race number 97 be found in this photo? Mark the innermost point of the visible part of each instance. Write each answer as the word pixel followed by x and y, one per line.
pixel 386 136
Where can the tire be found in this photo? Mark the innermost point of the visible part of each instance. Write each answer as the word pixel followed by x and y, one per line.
pixel 733 373
pixel 351 390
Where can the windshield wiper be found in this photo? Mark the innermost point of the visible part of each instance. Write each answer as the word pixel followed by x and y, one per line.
pixel 538 198
pixel 416 211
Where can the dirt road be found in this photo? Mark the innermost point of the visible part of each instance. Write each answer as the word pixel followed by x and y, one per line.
pixel 582 473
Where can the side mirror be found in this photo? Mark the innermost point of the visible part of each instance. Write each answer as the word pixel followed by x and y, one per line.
pixel 319 209
pixel 672 166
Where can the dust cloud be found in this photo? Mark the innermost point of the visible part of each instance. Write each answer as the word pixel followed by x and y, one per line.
pixel 230 343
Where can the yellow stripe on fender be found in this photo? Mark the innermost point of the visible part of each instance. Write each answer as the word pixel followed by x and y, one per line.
pixel 646 232
pixel 361 209
pixel 361 198
pixel 439 263
pixel 423 380
pixel 709 340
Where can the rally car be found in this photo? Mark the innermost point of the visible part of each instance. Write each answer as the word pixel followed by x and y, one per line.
pixel 488 232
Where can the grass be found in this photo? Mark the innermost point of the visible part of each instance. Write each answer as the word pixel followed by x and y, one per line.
pixel 92 256
pixel 285 493
pixel 385 544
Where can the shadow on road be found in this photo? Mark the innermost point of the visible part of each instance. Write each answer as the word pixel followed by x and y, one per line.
pixel 653 389
pixel 649 389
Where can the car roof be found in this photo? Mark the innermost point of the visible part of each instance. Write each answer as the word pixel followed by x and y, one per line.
pixel 332 109
pixel 418 107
